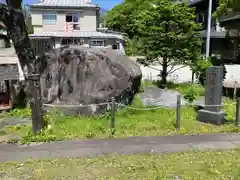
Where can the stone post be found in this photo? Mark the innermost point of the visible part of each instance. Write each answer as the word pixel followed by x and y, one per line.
pixel 212 112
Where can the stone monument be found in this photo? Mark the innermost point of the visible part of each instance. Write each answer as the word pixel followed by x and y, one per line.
pixel 76 77
pixel 212 112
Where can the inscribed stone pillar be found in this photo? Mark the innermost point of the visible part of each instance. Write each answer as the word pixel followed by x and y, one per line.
pixel 212 112
pixel 213 88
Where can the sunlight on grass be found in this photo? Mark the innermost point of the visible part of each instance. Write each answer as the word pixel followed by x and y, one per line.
pixel 128 122
pixel 189 165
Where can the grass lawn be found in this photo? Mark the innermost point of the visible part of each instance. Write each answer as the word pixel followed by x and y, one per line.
pixel 128 123
pixel 190 165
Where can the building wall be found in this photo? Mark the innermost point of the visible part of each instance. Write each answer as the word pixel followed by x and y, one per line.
pixel 88 20
pixel 37 29
pixel 224 48
pixel 202 10
pixel 40 46
pixel 43 45
pixel 37 21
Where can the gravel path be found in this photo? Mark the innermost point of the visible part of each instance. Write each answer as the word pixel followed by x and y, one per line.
pixel 131 145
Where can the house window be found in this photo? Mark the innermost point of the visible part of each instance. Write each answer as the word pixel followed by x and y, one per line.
pixel 73 20
pixel 69 41
pixel 202 17
pixel 49 18
pixel 197 17
pixel 96 43
pixel 115 46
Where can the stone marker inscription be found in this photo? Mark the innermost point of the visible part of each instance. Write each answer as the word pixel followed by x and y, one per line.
pixel 213 88
pixel 212 84
pixel 212 112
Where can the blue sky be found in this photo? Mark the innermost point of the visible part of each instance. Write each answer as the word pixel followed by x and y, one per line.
pixel 105 4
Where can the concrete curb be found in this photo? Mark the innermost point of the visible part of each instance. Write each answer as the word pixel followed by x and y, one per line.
pixel 131 145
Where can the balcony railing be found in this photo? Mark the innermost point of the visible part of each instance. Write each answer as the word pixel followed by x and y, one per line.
pixel 71 26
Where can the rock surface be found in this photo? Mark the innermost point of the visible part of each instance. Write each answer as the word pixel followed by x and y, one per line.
pixel 153 96
pixel 77 75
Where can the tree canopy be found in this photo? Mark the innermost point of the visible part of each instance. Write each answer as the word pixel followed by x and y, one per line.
pixel 123 16
pixel 226 6
pixel 164 31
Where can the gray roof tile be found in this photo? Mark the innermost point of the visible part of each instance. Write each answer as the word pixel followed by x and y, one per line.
pixel 65 3
pixel 214 34
pixel 90 34
pixel 229 17
pixel 194 2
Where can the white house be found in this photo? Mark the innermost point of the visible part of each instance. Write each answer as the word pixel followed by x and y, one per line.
pixel 63 22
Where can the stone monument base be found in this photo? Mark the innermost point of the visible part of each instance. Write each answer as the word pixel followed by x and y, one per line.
pixel 206 116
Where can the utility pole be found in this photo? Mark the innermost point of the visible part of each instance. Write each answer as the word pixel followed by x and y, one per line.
pixel 209 29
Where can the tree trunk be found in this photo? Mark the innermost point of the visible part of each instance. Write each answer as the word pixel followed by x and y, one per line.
pixel 164 72
pixel 19 35
pixel 193 77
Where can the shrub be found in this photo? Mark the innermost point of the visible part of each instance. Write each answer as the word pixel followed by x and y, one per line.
pixel 199 68
pixel 190 94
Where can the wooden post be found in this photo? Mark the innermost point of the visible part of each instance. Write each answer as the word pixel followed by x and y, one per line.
pixel 193 77
pixel 113 114
pixel 36 103
pixel 237 111
pixel 235 90
pixel 178 112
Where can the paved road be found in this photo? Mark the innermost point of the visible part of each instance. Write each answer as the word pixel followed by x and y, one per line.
pixel 131 145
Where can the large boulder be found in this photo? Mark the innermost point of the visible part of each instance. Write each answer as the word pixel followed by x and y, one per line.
pixel 77 75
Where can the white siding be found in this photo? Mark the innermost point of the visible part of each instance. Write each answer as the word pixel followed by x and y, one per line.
pixel 36 18
pixel 37 29
pixel 88 21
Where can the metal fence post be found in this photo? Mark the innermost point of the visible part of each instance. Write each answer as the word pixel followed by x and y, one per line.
pixel 113 114
pixel 178 112
pixel 237 111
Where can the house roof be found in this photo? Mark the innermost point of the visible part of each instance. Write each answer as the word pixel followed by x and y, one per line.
pixel 229 17
pixel 190 2
pixel 64 3
pixel 9 56
pixel 3 29
pixel 214 34
pixel 217 34
pixel 2 26
pixel 79 34
pixel 193 2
